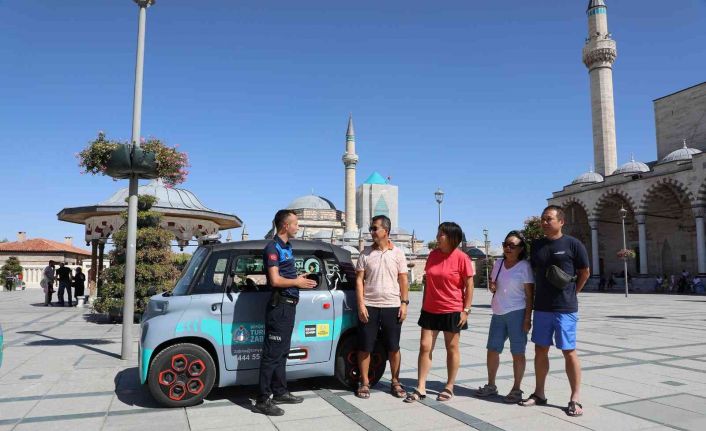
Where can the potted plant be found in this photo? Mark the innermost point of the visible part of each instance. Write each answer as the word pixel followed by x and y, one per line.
pixel 119 160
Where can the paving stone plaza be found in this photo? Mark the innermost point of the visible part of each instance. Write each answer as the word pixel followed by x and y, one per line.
pixel 643 359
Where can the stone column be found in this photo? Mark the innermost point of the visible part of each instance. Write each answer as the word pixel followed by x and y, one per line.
pixel 700 239
pixel 92 290
pixel 101 250
pixel 640 218
pixel 596 266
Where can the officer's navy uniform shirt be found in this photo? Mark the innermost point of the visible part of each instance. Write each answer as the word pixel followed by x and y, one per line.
pixel 278 253
pixel 569 254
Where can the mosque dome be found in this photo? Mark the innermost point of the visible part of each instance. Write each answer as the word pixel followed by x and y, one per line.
pixel 322 234
pixel 351 235
pixel 311 202
pixel 632 167
pixel 589 177
pixel 683 153
pixel 354 251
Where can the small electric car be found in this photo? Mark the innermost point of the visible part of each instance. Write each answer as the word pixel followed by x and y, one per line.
pixel 210 329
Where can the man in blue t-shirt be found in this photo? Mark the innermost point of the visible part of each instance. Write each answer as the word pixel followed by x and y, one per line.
pixel 556 305
pixel 280 315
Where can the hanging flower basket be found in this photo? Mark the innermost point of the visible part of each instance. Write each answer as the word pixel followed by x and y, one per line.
pixel 626 253
pixel 119 165
pixel 119 160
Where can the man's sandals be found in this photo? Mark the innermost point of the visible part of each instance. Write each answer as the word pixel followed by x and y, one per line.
pixel 414 396
pixel 363 392
pixel 575 409
pixel 533 400
pixel 397 390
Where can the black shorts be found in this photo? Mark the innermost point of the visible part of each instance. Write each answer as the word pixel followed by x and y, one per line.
pixel 446 322
pixel 384 319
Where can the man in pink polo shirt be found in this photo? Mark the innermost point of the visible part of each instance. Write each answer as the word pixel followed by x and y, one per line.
pixel 382 293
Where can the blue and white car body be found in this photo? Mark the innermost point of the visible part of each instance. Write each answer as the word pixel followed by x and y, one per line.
pixel 219 306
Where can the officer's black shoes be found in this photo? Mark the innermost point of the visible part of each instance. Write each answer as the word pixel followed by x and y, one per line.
pixel 287 398
pixel 268 408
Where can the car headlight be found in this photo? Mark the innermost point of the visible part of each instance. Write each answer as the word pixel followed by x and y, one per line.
pixel 155 308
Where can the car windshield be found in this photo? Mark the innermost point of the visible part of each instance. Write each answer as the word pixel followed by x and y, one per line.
pixel 190 271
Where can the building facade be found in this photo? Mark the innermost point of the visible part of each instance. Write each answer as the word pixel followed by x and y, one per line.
pixel 663 201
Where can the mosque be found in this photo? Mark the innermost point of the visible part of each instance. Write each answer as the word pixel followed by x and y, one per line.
pixel 661 202
pixel 319 219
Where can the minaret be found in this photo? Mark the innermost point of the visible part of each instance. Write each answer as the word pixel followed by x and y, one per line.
pixel 244 234
pixel 350 159
pixel 598 55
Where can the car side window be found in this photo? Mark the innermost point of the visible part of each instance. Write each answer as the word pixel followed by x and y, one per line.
pixel 337 276
pixel 249 274
pixel 213 274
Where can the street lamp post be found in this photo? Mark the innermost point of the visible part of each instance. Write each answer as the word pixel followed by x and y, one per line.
pixel 623 214
pixel 439 196
pixel 487 275
pixel 131 250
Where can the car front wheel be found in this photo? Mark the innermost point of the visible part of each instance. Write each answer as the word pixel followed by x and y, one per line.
pixel 347 371
pixel 181 375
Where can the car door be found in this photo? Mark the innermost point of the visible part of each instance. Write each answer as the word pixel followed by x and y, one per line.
pixel 312 338
pixel 202 317
pixel 243 314
pixel 243 311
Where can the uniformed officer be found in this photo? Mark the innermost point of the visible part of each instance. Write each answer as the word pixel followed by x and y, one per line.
pixel 279 318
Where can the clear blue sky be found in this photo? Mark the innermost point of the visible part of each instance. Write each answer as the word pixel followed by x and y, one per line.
pixel 488 100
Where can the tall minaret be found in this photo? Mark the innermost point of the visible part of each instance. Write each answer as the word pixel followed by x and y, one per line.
pixel 350 159
pixel 598 55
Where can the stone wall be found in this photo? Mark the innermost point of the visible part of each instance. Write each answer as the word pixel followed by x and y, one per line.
pixel 681 116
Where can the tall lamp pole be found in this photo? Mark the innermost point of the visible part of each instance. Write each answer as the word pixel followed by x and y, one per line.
pixel 487 275
pixel 439 196
pixel 623 214
pixel 131 252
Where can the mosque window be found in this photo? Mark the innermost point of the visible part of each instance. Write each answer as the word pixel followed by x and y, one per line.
pixel 381 208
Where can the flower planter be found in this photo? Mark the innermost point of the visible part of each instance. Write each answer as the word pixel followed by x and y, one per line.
pixel 119 160
pixel 119 165
pixel 144 164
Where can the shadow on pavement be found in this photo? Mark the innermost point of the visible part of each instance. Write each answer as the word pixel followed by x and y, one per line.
pixel 130 392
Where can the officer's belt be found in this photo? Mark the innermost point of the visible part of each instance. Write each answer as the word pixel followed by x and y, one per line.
pixel 278 298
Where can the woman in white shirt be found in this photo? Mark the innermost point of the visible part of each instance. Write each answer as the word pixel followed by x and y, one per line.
pixel 512 284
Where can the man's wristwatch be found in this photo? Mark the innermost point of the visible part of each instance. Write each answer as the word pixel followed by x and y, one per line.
pixel 467 310
pixel 405 301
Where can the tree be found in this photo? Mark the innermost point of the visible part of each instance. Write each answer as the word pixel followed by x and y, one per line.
pixel 431 245
pixel 533 229
pixel 155 271
pixel 11 268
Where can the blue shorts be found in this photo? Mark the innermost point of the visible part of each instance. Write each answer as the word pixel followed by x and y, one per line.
pixel 507 325
pixel 562 326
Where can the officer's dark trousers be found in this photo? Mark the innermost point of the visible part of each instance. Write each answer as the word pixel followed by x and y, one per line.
pixel 279 323
pixel 64 285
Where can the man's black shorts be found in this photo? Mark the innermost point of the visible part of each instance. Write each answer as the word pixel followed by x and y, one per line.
pixel 380 318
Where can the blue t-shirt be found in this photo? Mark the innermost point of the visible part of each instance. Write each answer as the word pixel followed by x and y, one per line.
pixel 567 253
pixel 280 254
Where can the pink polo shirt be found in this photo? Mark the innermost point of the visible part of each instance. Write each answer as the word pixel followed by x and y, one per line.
pixel 381 287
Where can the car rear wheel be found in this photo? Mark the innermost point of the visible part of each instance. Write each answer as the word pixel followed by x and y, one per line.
pixel 347 371
pixel 181 375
